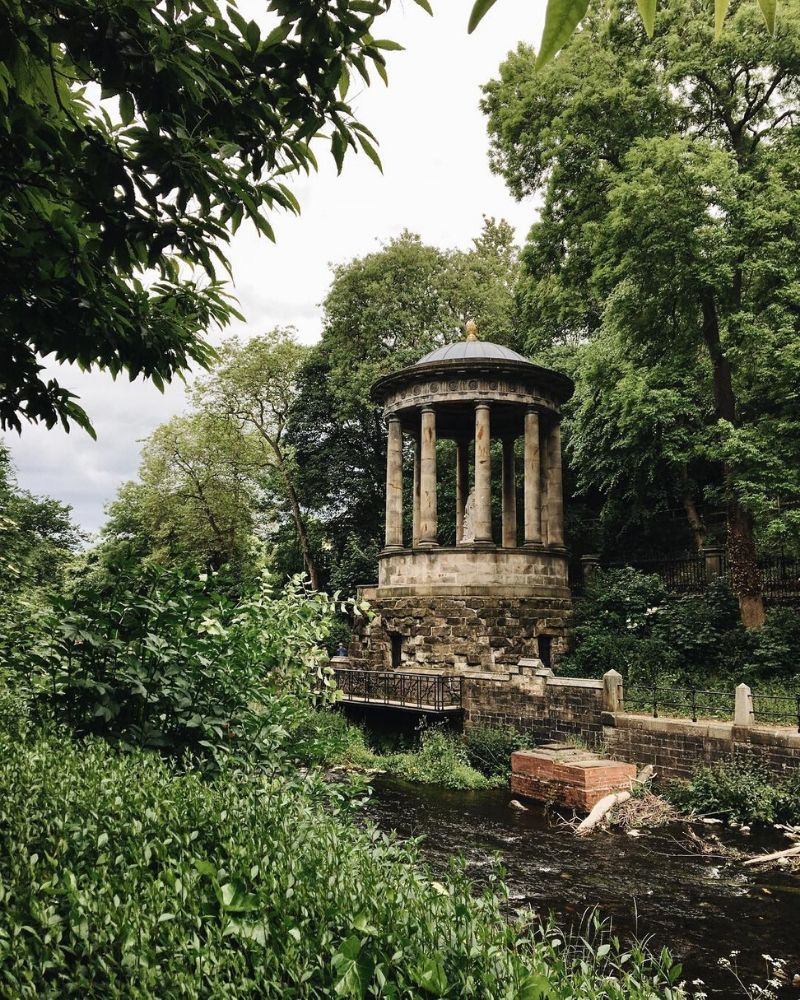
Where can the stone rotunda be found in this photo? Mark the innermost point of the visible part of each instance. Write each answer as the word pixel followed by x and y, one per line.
pixel 485 602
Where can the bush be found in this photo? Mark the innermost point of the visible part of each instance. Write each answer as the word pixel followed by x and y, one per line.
pixel 324 737
pixel 174 661
pixel 489 749
pixel 742 791
pixel 122 877
pixel 442 759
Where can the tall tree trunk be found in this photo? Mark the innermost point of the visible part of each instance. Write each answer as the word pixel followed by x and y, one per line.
pixel 746 577
pixel 302 536
pixel 696 524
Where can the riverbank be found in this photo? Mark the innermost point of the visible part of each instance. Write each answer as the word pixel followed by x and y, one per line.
pixel 701 902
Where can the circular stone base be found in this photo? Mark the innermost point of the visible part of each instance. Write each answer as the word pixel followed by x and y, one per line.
pixel 458 633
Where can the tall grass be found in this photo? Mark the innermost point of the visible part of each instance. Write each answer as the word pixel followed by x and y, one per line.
pixel 122 875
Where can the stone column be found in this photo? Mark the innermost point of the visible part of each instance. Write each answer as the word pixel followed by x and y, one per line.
pixel 462 486
pixel 428 526
pixel 394 485
pixel 509 496
pixel 415 518
pixel 483 475
pixel 533 480
pixel 554 488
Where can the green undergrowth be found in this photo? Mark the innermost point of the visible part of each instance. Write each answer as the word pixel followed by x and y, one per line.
pixel 480 758
pixel 742 791
pixel 124 875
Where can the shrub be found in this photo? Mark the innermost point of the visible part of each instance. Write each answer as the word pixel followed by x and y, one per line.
pixel 324 737
pixel 172 660
pixel 122 877
pixel 442 759
pixel 489 749
pixel 741 791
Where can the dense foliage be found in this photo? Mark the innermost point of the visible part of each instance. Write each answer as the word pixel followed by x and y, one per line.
pixel 169 660
pixel 629 622
pixel 122 876
pixel 201 121
pixel 742 791
pixel 665 259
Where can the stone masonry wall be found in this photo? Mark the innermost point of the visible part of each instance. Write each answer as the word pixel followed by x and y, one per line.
pixel 464 633
pixel 545 708
pixel 677 748
pixel 557 709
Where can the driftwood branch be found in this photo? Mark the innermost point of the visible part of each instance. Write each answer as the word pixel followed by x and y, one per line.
pixel 775 856
pixel 607 803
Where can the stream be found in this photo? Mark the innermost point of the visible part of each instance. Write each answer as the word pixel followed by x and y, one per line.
pixel 651 886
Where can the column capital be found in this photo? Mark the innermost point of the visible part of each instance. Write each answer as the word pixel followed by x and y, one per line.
pixel 427 408
pixel 482 404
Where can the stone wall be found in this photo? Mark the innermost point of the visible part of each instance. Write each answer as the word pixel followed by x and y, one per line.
pixel 678 747
pixel 544 707
pixel 557 709
pixel 459 634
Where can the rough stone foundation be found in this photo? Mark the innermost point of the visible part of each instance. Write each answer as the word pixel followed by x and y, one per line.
pixel 461 634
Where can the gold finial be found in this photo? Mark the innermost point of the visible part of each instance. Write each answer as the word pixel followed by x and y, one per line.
pixel 471 330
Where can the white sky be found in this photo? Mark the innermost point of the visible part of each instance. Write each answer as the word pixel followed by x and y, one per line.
pixel 436 182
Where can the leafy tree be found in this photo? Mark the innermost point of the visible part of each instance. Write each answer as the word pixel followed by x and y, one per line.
pixel 255 386
pixel 671 194
pixel 114 213
pixel 37 536
pixel 384 311
pixel 562 17
pixel 196 500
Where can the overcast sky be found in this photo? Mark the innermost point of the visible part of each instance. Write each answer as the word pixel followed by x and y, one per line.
pixel 436 182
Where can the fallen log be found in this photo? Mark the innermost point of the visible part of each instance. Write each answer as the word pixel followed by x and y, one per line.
pixel 607 803
pixel 775 856
pixel 599 810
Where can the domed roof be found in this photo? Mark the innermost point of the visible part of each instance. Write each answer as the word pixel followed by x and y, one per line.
pixel 482 350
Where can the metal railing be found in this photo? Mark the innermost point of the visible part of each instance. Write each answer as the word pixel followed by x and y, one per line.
pixel 393 688
pixel 692 702
pixel 700 703
pixel 781 708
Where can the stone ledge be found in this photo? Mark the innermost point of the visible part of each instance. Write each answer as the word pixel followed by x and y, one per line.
pixel 702 729
pixel 575 682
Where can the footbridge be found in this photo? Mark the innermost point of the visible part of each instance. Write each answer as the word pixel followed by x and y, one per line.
pixel 438 694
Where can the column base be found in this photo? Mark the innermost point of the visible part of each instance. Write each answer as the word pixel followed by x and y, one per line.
pixel 426 545
pixel 483 543
pixel 392 548
pixel 534 546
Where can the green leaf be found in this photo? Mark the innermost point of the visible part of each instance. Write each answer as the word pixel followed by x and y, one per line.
pixel 338 147
pixel 344 82
pixel 560 21
pixel 388 44
pixel 647 11
pixel 480 9
pixel 425 6
pixel 432 977
pixel 126 108
pixel 768 10
pixel 535 988
pixel 278 35
pixel 720 10
pixel 370 150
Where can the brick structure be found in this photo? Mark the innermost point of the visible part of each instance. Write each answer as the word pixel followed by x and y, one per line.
pixel 484 602
pixel 570 777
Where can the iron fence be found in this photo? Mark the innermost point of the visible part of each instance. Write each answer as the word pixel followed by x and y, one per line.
pixel 780 708
pixel 424 692
pixel 691 574
pixel 696 703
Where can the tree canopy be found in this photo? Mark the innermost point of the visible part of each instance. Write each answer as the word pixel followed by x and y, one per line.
pixel 670 183
pixel 137 138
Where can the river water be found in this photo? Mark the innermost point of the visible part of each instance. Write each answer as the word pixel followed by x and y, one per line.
pixel 701 907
